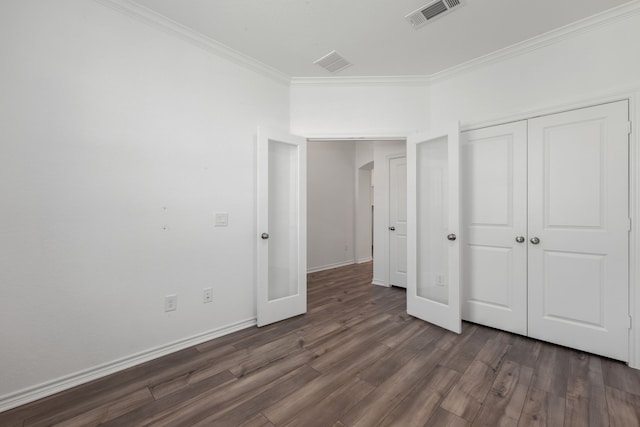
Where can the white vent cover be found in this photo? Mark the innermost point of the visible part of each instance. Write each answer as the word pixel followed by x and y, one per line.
pixel 333 62
pixel 431 11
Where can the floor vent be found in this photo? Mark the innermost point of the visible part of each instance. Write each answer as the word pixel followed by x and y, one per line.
pixel 431 11
pixel 333 62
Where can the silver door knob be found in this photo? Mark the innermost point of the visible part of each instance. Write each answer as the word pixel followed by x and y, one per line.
pixel 519 239
pixel 265 236
pixel 452 237
pixel 535 240
pixel 392 228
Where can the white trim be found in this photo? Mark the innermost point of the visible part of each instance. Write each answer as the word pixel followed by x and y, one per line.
pixel 585 25
pixel 30 394
pixel 379 283
pixel 362 139
pixel 634 236
pixel 361 81
pixel 363 260
pixel 330 266
pixel 591 23
pixel 150 17
pixel 369 135
pixel 159 21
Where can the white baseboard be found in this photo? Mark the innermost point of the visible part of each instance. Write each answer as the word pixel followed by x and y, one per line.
pixel 330 266
pixel 379 283
pixel 363 260
pixel 49 388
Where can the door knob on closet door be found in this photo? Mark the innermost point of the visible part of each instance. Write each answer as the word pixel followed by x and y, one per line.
pixel 392 228
pixel 452 237
pixel 520 239
pixel 535 240
pixel 265 236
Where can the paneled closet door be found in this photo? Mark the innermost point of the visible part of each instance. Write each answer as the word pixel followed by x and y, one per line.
pixel 578 229
pixel 494 219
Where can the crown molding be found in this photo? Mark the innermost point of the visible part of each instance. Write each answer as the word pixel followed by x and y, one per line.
pixel 585 25
pixel 150 17
pixel 588 24
pixel 361 81
pixel 154 19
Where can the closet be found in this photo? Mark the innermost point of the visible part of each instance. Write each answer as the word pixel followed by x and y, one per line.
pixel 545 228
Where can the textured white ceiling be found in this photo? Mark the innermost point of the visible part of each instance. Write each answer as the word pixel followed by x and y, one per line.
pixel 372 34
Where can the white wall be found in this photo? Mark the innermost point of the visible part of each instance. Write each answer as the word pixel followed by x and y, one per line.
pixel 330 204
pixel 359 108
pixel 119 142
pixel 596 62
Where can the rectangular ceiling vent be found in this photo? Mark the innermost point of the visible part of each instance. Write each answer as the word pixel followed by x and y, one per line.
pixel 431 11
pixel 333 62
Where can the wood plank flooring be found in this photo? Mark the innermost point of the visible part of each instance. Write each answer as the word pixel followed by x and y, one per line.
pixel 355 359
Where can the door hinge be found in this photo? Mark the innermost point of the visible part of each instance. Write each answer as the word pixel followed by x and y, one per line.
pixel 629 127
pixel 629 224
pixel 630 322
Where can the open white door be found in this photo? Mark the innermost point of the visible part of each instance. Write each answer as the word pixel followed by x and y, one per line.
pixel 433 262
pixel 282 226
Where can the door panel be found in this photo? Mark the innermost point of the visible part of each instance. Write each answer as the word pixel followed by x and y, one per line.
pixel 494 214
pixel 283 220
pixel 398 222
pixel 433 273
pixel 281 284
pixel 578 199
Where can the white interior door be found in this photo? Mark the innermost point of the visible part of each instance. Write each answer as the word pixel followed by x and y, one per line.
pixel 494 220
pixel 578 229
pixel 433 261
pixel 282 246
pixel 398 222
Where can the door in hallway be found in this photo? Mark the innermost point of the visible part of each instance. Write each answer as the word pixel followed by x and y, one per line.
pixel 398 222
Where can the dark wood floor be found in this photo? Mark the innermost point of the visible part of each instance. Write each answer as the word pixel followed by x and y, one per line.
pixel 355 359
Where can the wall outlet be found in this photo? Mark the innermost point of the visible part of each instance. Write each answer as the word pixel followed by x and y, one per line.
pixel 221 219
pixel 170 302
pixel 207 295
pixel 439 280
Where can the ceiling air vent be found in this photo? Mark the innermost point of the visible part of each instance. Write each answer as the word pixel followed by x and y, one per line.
pixel 333 62
pixel 431 11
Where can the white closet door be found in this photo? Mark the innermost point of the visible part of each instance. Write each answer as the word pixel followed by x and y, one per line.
pixel 398 222
pixel 282 227
pixel 578 229
pixel 433 261
pixel 494 217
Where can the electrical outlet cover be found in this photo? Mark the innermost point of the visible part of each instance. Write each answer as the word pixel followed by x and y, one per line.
pixel 170 303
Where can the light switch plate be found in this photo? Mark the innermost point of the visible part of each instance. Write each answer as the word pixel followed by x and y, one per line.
pixel 221 219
